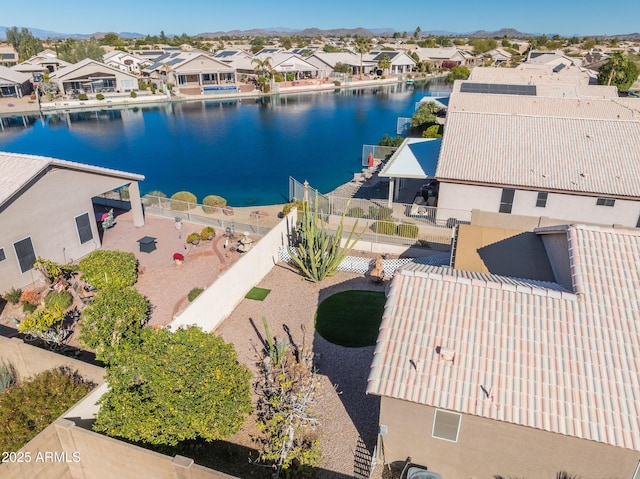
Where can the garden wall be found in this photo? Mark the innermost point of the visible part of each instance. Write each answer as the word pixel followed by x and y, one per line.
pixel 30 360
pixel 83 454
pixel 220 299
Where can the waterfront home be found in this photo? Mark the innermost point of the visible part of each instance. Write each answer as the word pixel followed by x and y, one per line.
pixel 484 375
pixel 13 83
pixel 8 55
pixel 554 58
pixel 92 77
pixel 241 61
pixel 326 62
pixel 444 56
pixel 400 62
pixel 566 151
pixel 284 62
pixel 193 73
pixel 44 63
pixel 531 73
pixel 47 210
pixel 124 61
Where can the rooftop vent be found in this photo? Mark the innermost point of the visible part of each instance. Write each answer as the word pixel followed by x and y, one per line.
pixel 446 353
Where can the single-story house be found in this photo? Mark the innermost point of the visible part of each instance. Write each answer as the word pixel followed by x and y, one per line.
pixel 14 84
pixel 44 63
pixel 443 56
pixel 126 62
pixel 193 73
pixel 326 62
pixel 497 55
pixel 241 61
pixel 46 210
pixel 542 150
pixel 401 62
pixel 487 375
pixel 284 62
pixel 91 76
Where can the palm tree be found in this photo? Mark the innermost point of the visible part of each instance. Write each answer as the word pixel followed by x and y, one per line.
pixel 384 63
pixel 263 67
pixel 363 45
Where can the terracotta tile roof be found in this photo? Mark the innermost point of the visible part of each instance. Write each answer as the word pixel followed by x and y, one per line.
pixel 565 362
pixel 569 154
pixel 18 170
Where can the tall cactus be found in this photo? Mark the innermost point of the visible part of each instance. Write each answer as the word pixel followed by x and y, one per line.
pixel 319 253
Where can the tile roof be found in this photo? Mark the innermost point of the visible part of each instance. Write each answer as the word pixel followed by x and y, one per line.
pixel 531 74
pixel 12 76
pixel 569 154
pixel 565 362
pixel 18 170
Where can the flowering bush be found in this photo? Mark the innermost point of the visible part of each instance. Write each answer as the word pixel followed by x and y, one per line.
pixel 109 268
pixel 30 296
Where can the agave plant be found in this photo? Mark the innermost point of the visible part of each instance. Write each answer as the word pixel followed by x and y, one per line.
pixel 319 253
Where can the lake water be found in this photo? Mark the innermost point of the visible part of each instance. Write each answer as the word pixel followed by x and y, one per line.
pixel 241 150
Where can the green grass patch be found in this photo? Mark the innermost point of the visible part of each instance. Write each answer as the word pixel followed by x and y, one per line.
pixel 351 318
pixel 258 294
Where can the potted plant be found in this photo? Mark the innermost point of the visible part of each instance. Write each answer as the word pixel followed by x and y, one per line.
pixel 178 258
pixel 193 238
pixel 207 233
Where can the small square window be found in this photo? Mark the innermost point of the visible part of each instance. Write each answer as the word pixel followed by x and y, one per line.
pixel 541 201
pixel 605 202
pixel 446 425
pixel 2 255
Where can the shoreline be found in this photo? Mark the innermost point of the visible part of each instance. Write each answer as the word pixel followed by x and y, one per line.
pixel 25 106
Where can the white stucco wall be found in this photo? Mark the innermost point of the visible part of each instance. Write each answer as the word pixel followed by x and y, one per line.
pixel 220 299
pixel 46 212
pixel 572 208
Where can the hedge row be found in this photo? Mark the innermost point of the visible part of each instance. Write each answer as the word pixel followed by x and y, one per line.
pixel 405 230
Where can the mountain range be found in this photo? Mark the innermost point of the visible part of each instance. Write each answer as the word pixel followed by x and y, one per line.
pixel 307 32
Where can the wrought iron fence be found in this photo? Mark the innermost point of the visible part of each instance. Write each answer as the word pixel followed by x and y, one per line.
pixel 239 220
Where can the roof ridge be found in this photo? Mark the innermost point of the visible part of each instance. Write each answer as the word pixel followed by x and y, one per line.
pixel 546 117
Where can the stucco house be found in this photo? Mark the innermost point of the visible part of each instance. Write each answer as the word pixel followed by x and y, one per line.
pixel 14 84
pixel 193 73
pixel 447 56
pixel 124 61
pixel 46 210
pixel 327 61
pixel 400 62
pixel 8 55
pixel 284 62
pixel 567 151
pixel 91 76
pixel 241 61
pixel 482 374
pixel 45 62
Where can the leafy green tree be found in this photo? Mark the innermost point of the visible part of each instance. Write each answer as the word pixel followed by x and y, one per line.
pixel 505 42
pixel 116 315
pixel 444 41
pixel 111 39
pixel 73 51
pixel 482 45
pixel 257 44
pixel 432 132
pixel 425 115
pixel 104 268
pixel 173 387
pixel 24 42
pixel 620 71
pixel 417 32
pixel 459 72
pixel 342 68
pixel 286 43
pixel 362 45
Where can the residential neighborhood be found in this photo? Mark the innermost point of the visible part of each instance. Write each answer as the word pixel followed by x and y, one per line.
pixel 463 303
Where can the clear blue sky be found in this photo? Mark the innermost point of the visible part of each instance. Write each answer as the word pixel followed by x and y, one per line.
pixel 565 17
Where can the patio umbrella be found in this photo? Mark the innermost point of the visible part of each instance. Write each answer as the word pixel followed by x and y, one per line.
pixel 370 161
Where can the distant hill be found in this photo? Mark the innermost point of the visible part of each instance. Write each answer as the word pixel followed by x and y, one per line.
pixel 503 32
pixel 44 34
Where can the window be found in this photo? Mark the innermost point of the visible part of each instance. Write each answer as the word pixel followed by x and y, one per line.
pixel 638 223
pixel 26 255
pixel 605 202
pixel 84 228
pixel 2 255
pixel 541 202
pixel 636 473
pixel 446 425
pixel 506 202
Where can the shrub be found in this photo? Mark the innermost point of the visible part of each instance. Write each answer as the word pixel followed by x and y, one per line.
pixel 381 213
pixel 193 238
pixel 29 308
pixel 13 296
pixel 109 268
pixel 159 194
pixel 183 201
pixel 8 376
pixel 290 76
pixel 278 77
pixel 58 299
pixel 30 296
pixel 286 209
pixel 27 409
pixel 194 293
pixel 99 96
pixel 336 83
pixel 83 96
pixel 212 202
pixel 133 94
pixel 207 233
pixel 407 230
pixel 356 212
pixel 384 227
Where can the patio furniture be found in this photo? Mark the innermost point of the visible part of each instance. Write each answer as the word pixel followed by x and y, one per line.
pixel 244 244
pixel 147 244
pixel 83 295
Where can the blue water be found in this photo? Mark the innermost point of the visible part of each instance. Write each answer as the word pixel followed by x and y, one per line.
pixel 241 150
